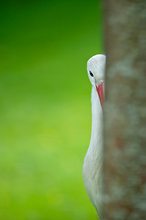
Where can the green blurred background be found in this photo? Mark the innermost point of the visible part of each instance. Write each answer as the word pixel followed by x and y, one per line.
pixel 45 107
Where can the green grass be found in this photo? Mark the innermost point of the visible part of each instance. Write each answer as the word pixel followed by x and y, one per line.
pixel 45 107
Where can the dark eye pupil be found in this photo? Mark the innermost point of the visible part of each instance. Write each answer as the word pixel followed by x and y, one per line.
pixel 91 74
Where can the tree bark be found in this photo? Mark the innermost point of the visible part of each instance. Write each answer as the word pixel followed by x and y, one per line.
pixel 124 168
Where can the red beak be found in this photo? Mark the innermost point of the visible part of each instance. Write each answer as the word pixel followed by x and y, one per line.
pixel 100 91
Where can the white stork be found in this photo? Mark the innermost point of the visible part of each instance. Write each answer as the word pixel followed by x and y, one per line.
pixel 93 159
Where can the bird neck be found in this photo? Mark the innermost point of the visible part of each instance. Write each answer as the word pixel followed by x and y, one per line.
pixel 97 118
pixel 93 158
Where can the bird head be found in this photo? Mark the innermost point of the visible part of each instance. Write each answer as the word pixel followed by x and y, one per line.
pixel 96 71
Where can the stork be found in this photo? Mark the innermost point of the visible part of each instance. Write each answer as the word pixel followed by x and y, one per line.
pixel 93 159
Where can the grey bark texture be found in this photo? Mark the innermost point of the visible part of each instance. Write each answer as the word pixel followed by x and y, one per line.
pixel 124 168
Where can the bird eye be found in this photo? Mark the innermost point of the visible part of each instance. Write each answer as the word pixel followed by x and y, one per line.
pixel 91 74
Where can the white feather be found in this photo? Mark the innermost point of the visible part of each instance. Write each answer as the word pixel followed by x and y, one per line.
pixel 93 159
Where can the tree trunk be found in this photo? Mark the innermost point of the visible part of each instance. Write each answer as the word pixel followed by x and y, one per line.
pixel 125 111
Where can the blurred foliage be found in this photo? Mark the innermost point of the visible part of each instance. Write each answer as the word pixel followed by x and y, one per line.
pixel 45 107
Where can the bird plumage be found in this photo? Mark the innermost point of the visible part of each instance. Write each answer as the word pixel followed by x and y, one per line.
pixel 93 159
